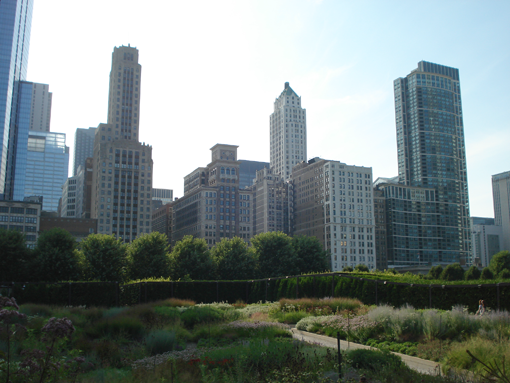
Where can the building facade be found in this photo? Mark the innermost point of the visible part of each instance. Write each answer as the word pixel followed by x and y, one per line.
pixel 79 228
pixel 334 203
pixel 68 203
pixel 381 244
pixel 15 22
pixel 83 147
pixel 487 240
pixel 431 150
pixel 501 200
pixel 272 203
pixel 287 133
pixel 162 220
pixel 122 166
pixel 84 189
pixel 47 167
pixel 213 207
pixel 164 196
pixel 411 213
pixel 21 216
pixel 248 172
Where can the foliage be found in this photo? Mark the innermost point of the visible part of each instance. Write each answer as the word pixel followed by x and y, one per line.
pixel 487 273
pixel 105 258
pixel 56 257
pixel 453 272
pixel 504 274
pixel 191 257
pixel 347 269
pixel 500 261
pixel 16 257
pixel 472 273
pixel 361 268
pixel 310 256
pixel 374 360
pixel 148 256
pixel 117 326
pixel 275 253
pixel 234 260
pixel 160 341
pixel 435 272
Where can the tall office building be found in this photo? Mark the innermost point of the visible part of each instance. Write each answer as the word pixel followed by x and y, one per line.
pixel 486 240
pixel 122 166
pixel 501 200
pixel 334 203
pixel 15 24
pixel 287 133
pixel 47 167
pixel 33 113
pixel 83 147
pixel 431 150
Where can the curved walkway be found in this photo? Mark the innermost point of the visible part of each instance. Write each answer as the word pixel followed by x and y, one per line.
pixel 421 365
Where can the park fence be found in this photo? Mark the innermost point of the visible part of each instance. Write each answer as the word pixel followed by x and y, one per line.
pixel 368 290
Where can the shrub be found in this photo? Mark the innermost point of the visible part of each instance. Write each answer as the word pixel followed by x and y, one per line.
pixel 500 261
pixel 347 269
pixel 435 272
pixel 487 274
pixel 35 309
pixel 361 268
pixel 504 274
pixel 114 311
pixel 160 341
pixel 199 315
pixel 374 360
pixel 472 273
pixel 121 326
pixel 453 272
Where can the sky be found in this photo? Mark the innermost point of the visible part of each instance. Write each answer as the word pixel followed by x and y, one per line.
pixel 211 71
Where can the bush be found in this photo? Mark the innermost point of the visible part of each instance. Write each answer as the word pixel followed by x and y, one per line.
pixel 121 326
pixel 347 269
pixel 472 273
pixel 200 315
pixel 500 261
pixel 453 272
pixel 160 341
pixel 435 272
pixel 487 274
pixel 361 268
pixel 374 360
pixel 504 274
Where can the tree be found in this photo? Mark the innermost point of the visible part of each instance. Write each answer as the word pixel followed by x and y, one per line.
pixel 148 256
pixel 310 256
pixel 234 260
pixel 105 258
pixel 453 272
pixel 275 253
pixel 361 267
pixel 190 257
pixel 472 273
pixel 500 261
pixel 504 274
pixel 487 274
pixel 56 257
pixel 15 257
pixel 435 272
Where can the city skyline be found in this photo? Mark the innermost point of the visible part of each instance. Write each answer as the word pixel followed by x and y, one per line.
pixel 204 88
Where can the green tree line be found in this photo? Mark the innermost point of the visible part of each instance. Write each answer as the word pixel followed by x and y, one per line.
pixel 99 257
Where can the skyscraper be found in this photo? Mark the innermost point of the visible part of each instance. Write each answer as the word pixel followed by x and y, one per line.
pixel 83 147
pixel 431 150
pixel 501 200
pixel 287 133
pixel 47 167
pixel 122 166
pixel 15 22
pixel 33 113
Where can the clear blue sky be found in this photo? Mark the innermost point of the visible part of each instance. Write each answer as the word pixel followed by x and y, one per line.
pixel 211 71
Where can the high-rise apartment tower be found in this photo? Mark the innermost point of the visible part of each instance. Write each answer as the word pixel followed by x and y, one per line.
pixel 501 200
pixel 432 153
pixel 15 22
pixel 287 133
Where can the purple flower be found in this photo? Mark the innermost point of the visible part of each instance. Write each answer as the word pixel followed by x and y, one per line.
pixel 57 328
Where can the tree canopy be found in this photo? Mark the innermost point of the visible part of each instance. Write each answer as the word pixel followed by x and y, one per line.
pixel 105 258
pixel 190 257
pixel 234 260
pixel 500 261
pixel 309 254
pixel 15 257
pixel 149 257
pixel 275 253
pixel 56 257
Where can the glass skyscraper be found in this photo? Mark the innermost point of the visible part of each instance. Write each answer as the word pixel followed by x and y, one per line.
pixel 47 167
pixel 15 24
pixel 431 151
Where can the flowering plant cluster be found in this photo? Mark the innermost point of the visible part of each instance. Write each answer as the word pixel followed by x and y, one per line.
pixel 319 310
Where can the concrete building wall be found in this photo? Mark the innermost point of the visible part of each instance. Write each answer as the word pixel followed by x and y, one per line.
pixel 21 216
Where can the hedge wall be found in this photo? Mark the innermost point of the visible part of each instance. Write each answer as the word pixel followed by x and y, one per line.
pixel 369 291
